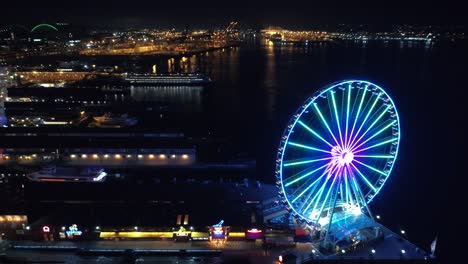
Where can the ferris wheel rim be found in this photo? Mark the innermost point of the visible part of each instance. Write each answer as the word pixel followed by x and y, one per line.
pixel 297 116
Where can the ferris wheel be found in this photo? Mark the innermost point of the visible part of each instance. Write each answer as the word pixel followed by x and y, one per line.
pixel 337 151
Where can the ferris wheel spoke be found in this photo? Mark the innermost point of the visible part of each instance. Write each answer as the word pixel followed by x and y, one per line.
pixel 358 112
pixel 358 193
pixel 308 147
pixel 364 178
pixel 372 168
pixel 364 203
pixel 353 188
pixel 369 128
pixel 328 194
pixel 374 156
pixel 337 118
pixel 294 163
pixel 347 114
pixel 305 175
pixel 367 116
pixel 319 193
pixel 326 124
pixel 314 133
pixel 373 136
pixel 376 145
pixel 347 187
pixel 341 192
pixel 310 186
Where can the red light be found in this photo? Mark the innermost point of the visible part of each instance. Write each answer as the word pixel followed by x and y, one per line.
pixel 45 229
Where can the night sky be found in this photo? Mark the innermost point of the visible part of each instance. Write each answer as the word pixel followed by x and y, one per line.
pixel 299 15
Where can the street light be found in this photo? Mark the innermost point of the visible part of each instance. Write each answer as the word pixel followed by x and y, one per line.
pixel 136 227
pixel 403 251
pixel 343 251
pixel 97 227
pixel 377 216
pixel 373 251
pixel 403 232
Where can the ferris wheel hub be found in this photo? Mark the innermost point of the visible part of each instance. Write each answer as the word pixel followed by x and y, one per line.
pixel 342 157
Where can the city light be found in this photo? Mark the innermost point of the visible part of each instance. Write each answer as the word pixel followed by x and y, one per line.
pixel 373 251
pixel 84 156
pixel 151 156
pixel 72 156
pixel 343 251
pixel 403 251
pixel 118 156
pixel 162 156
pixel 140 156
pixel 377 216
pixel 403 232
pixel 136 227
pixel 97 227
pixel 184 156
pixel 95 156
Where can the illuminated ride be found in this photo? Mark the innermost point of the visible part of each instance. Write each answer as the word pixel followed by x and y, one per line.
pixel 337 152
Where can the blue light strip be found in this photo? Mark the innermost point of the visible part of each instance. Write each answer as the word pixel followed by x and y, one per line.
pixel 357 115
pixel 376 145
pixel 353 186
pixel 346 186
pixel 370 127
pixel 374 156
pixel 372 168
pixel 365 119
pixel 308 147
pixel 312 184
pixel 373 136
pixel 305 175
pixel 337 119
pixel 320 191
pixel 315 133
pixel 326 124
pixel 347 115
pixel 305 162
pixel 328 193
pixel 364 178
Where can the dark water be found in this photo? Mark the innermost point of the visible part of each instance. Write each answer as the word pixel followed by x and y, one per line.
pixel 258 87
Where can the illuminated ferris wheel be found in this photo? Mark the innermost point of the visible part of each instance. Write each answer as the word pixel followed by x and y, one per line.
pixel 337 151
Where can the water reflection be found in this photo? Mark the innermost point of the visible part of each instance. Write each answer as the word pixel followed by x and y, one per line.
pixel 186 96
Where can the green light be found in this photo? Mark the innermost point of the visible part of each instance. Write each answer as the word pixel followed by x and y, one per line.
pixel 44 25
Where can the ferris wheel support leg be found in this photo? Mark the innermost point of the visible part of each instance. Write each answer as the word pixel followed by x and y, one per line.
pixel 331 215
